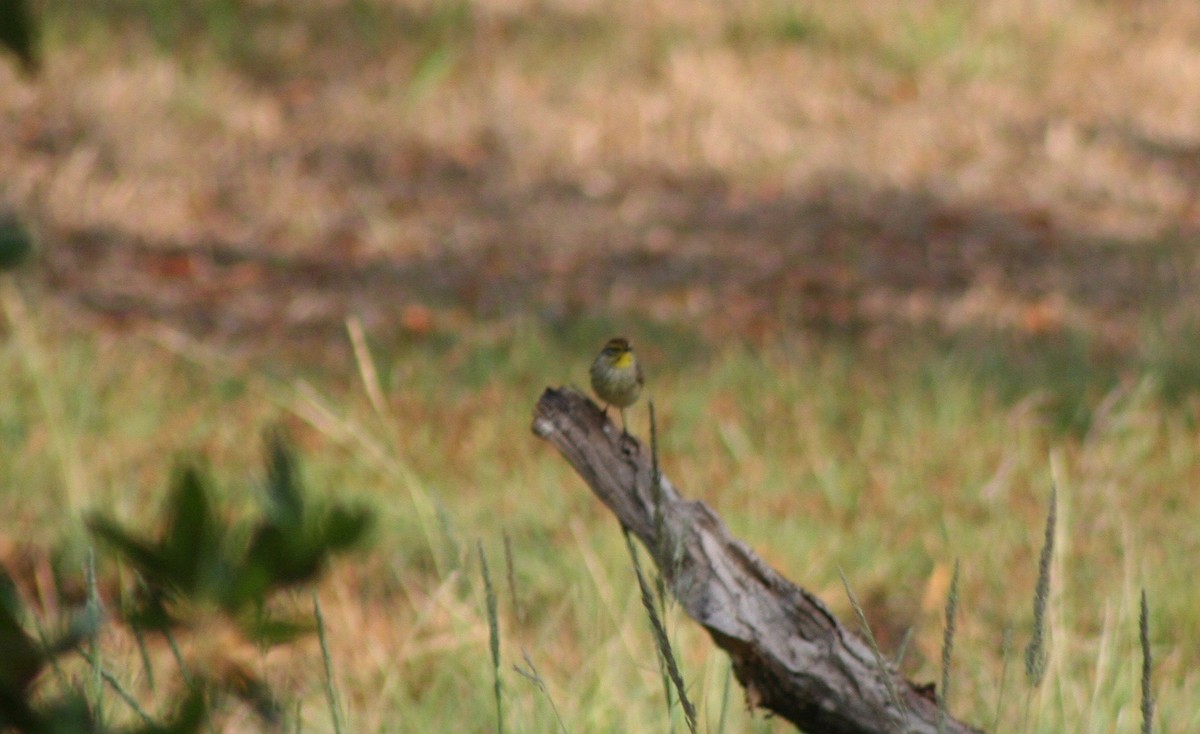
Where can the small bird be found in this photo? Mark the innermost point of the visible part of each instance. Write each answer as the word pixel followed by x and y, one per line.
pixel 617 376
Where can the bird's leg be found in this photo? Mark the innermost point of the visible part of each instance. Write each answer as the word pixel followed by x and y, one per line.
pixel 624 430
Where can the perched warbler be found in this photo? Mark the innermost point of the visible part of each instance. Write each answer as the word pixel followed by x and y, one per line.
pixel 617 376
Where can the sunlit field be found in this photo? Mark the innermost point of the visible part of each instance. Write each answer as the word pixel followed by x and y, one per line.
pixel 894 270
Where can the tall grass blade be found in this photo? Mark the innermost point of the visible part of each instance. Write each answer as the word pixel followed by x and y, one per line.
pixel 194 686
pixel 59 674
pixel 184 672
pixel 511 574
pixel 39 369
pixel 493 636
pixel 1036 653
pixel 885 671
pixel 656 485
pixel 147 666
pixel 667 552
pixel 902 649
pixel 366 367
pixel 1006 649
pixel 948 648
pixel 533 676
pixel 663 643
pixel 330 691
pixel 95 611
pixel 1147 666
pixel 115 684
pixel 660 550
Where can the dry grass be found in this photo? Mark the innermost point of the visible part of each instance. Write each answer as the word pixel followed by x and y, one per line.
pixel 758 165
pixel 821 458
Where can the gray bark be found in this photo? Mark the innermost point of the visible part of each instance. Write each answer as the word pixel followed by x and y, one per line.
pixel 788 651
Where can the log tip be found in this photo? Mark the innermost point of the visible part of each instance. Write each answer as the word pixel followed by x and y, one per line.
pixel 554 403
pixel 569 408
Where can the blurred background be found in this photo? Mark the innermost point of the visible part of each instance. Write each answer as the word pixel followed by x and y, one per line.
pixel 893 268
pixel 248 167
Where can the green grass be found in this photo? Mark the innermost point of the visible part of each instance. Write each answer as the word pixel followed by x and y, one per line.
pixel 888 464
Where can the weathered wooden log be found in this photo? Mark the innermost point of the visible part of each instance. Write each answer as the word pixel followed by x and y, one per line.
pixel 788 651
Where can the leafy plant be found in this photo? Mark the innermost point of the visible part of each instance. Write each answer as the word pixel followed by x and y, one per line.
pixel 26 658
pixel 205 575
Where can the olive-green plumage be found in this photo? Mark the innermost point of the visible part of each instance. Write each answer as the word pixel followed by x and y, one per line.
pixel 617 375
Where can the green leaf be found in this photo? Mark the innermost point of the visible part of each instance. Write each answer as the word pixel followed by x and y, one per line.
pixel 268 631
pixel 144 556
pixel 16 713
pixel 344 528
pixel 16 244
pixel 67 715
pixel 293 555
pixel 249 586
pixel 192 545
pixel 18 33
pixel 287 555
pixel 10 600
pixel 22 658
pixel 150 614
pixel 285 500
